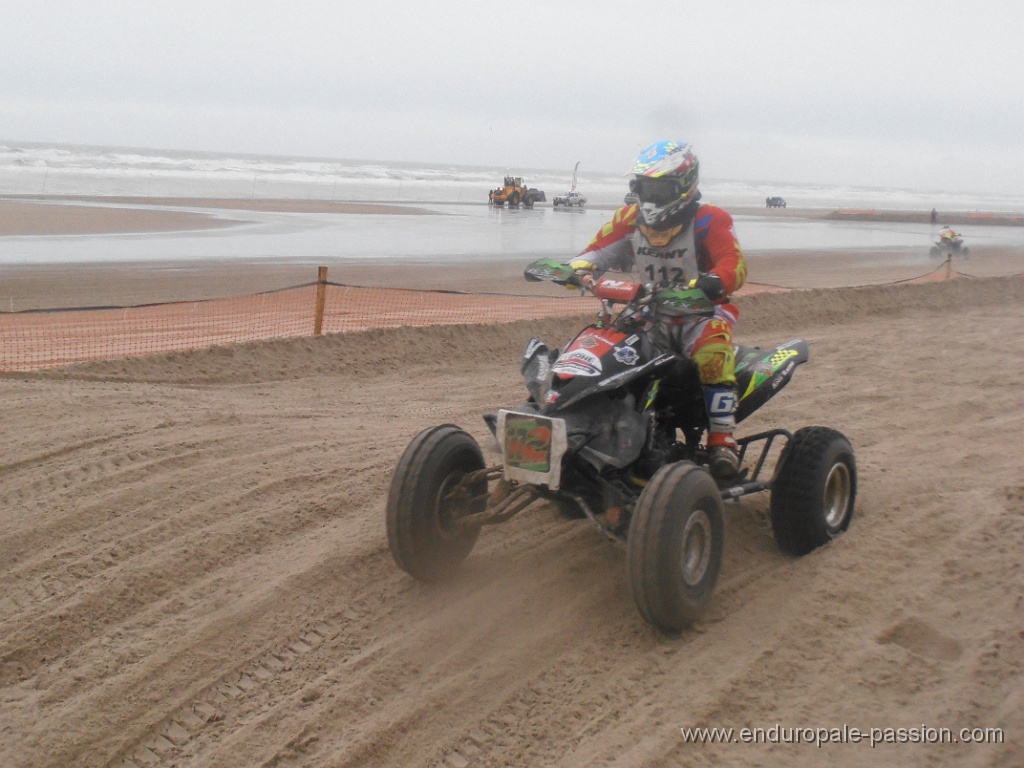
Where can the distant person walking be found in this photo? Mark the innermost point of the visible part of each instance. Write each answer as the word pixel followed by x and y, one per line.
pixel 935 215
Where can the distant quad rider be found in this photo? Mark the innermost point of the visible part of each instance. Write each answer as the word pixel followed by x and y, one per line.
pixel 949 236
pixel 673 239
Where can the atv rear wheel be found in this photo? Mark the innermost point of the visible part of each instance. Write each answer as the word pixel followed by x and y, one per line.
pixel 674 546
pixel 813 496
pixel 421 507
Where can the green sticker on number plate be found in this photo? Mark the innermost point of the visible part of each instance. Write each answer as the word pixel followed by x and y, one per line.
pixel 528 442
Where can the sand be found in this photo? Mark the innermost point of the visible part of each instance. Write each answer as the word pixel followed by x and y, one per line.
pixel 67 215
pixel 195 569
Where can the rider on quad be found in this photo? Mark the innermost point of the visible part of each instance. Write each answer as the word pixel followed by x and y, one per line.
pixel 673 239
pixel 949 236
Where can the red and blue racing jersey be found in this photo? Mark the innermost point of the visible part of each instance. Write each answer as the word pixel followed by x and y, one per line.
pixel 709 244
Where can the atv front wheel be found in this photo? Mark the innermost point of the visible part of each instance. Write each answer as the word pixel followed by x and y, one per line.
pixel 425 500
pixel 812 497
pixel 674 546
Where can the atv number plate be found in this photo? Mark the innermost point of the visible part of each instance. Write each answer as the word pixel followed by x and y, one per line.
pixel 532 447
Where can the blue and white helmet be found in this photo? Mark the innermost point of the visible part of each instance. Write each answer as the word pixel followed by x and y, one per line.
pixel 665 179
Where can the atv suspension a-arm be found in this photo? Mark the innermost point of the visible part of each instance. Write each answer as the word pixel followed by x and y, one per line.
pixel 502 503
pixel 505 501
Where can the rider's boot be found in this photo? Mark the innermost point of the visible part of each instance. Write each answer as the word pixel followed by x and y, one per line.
pixel 723 456
pixel 723 452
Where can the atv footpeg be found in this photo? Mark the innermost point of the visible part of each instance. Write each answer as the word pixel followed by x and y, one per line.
pixel 748 480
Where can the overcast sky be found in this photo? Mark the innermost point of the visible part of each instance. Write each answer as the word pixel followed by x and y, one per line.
pixel 907 93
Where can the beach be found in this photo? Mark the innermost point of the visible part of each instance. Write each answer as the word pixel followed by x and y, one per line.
pixel 196 570
pixel 116 284
pixel 129 282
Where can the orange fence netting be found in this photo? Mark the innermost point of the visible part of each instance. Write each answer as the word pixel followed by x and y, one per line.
pixel 38 339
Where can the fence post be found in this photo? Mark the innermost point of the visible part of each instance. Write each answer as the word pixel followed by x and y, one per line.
pixel 321 300
pixel 949 266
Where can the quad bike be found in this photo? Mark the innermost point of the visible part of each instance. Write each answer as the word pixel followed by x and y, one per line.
pixel 612 431
pixel 947 246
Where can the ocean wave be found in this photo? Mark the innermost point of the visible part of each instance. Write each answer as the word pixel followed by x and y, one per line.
pixel 70 169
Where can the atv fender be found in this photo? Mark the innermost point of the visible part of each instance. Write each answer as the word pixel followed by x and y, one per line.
pixel 760 374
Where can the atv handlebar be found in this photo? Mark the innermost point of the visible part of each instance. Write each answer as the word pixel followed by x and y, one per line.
pixel 675 301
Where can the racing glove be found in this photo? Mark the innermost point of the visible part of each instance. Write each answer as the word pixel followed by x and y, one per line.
pixel 711 284
pixel 583 269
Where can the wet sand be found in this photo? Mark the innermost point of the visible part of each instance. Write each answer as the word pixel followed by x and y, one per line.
pixel 121 284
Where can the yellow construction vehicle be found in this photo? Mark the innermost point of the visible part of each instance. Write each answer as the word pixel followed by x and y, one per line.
pixel 516 193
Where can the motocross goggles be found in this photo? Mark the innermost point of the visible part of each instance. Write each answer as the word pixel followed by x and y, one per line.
pixel 658 191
